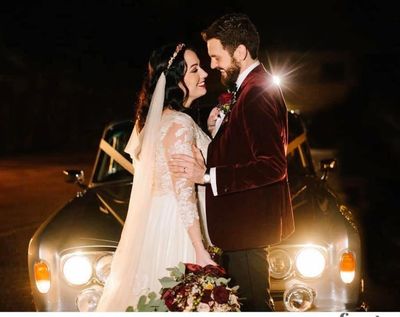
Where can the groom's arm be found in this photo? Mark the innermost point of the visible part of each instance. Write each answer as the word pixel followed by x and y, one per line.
pixel 193 169
pixel 262 123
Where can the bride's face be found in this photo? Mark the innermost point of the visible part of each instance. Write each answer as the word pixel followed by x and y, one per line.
pixel 194 78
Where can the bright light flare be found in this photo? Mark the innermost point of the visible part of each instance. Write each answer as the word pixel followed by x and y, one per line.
pixel 276 80
pixel 77 270
pixel 310 262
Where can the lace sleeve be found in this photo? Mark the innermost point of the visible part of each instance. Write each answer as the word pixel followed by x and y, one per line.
pixel 179 139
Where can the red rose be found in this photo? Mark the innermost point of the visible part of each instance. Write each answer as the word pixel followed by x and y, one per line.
pixel 168 298
pixel 206 298
pixel 192 268
pixel 221 294
pixel 225 98
pixel 215 270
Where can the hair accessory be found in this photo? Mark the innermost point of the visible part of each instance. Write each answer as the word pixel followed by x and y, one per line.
pixel 178 48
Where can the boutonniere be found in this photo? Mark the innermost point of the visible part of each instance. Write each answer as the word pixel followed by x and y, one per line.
pixel 226 100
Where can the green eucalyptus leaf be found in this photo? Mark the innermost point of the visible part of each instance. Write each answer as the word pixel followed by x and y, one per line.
pixel 182 267
pixel 221 281
pixel 130 309
pixel 168 282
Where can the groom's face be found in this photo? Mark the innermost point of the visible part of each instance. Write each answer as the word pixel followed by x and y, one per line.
pixel 223 61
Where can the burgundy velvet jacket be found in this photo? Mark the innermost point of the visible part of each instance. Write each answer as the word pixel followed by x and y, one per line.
pixel 253 207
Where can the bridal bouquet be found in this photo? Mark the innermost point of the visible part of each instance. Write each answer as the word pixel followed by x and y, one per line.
pixel 191 287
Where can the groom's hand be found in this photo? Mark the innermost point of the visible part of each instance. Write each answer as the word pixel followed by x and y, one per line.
pixel 212 119
pixel 185 166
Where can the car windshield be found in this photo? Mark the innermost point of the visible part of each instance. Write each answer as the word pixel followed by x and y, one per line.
pixel 108 168
pixel 299 156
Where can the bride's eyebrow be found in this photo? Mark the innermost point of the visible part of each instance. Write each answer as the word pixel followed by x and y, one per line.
pixel 193 65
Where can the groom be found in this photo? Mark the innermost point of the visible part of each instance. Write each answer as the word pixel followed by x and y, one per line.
pixel 247 195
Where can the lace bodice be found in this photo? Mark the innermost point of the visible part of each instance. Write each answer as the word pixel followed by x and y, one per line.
pixel 177 134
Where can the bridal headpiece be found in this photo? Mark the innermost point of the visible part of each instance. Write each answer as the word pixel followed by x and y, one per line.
pixel 178 48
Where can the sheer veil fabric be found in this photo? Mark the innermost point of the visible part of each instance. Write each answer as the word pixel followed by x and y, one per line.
pixel 119 290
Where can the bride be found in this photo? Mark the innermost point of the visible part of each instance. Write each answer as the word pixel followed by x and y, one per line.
pixel 162 227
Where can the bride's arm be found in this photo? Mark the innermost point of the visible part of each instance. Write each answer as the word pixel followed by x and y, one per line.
pixel 179 139
pixel 202 256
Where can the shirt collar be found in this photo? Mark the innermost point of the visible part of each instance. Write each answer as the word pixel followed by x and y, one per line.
pixel 244 74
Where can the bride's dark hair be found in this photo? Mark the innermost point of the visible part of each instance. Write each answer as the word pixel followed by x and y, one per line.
pixel 174 95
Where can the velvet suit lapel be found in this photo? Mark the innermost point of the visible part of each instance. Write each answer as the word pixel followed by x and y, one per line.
pixel 259 70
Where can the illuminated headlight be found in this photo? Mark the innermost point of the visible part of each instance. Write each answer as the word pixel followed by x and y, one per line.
pixel 280 264
pixel 77 269
pixel 103 267
pixel 298 298
pixel 310 262
pixel 88 299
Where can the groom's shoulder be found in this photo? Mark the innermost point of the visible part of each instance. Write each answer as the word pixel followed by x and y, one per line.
pixel 261 90
pixel 262 83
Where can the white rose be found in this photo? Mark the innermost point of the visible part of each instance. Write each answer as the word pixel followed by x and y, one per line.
pixel 203 307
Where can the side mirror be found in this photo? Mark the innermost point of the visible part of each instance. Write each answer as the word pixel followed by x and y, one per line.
pixel 326 166
pixel 75 176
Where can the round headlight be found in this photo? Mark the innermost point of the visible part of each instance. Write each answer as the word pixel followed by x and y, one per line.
pixel 298 298
pixel 87 300
pixel 310 262
pixel 280 264
pixel 103 267
pixel 77 270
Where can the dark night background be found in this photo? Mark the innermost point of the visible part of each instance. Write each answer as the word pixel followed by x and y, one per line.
pixel 69 67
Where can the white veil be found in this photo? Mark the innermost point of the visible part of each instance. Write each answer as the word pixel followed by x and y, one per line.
pixel 120 290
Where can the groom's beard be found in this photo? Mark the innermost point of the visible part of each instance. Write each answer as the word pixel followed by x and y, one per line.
pixel 232 74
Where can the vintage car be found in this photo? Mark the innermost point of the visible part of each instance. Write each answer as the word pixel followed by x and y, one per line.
pixel 317 269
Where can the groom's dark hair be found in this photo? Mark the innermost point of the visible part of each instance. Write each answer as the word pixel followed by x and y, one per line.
pixel 232 30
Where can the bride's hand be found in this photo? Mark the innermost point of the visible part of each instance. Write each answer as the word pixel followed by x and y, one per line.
pixel 203 258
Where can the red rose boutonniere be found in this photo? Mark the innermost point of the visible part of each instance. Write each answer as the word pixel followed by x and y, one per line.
pixel 226 100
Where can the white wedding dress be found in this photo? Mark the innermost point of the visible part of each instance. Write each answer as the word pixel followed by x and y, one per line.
pixel 174 205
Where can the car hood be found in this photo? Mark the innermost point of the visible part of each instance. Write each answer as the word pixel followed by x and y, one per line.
pixel 318 215
pixel 92 219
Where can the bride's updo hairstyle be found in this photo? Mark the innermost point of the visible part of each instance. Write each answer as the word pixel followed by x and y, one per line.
pixel 170 60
